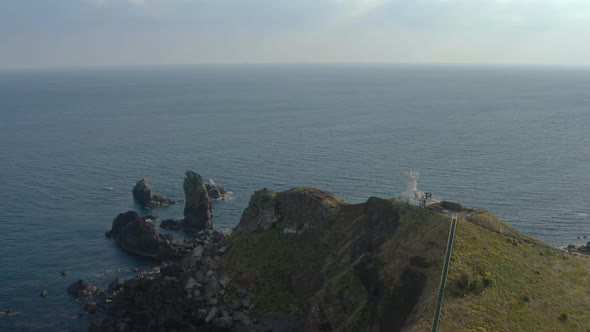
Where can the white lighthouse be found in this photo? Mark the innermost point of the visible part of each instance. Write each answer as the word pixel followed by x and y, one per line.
pixel 411 181
pixel 412 195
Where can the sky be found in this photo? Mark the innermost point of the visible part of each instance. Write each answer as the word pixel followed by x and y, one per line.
pixel 74 33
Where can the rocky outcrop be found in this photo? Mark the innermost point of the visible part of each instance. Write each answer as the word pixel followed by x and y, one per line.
pixel 142 194
pixel 583 249
pixel 192 293
pixel 297 209
pixel 92 296
pixel 451 206
pixel 82 290
pixel 261 212
pixel 216 191
pixel 198 210
pixel 138 236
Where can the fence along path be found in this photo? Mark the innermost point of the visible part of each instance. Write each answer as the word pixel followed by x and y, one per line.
pixel 445 272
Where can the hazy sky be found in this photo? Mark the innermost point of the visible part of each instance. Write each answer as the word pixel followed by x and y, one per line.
pixel 49 33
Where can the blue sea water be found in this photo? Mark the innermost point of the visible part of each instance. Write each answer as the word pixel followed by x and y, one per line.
pixel 514 140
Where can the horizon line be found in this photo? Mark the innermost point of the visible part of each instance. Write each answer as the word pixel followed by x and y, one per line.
pixel 262 63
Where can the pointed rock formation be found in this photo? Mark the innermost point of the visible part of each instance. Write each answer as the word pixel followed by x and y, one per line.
pixel 198 211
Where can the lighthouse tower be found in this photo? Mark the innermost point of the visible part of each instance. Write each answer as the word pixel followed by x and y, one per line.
pixel 412 195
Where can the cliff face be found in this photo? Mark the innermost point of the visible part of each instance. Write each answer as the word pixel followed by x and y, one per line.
pixel 339 266
pixel 298 209
pixel 198 211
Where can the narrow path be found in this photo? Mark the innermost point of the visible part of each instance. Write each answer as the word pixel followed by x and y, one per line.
pixel 445 272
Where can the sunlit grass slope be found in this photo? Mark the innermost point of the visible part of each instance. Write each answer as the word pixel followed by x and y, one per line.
pixel 501 280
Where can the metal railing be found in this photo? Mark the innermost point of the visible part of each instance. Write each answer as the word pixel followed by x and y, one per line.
pixel 445 272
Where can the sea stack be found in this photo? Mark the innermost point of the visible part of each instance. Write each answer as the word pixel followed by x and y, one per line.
pixel 142 194
pixel 198 211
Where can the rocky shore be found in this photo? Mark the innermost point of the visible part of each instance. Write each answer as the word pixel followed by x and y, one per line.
pixel 191 293
pixel 583 249
pixel 189 290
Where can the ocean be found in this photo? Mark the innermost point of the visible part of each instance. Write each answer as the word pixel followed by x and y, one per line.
pixel 513 140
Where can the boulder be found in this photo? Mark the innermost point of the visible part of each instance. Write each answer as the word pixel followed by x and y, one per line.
pixel 117 284
pixel 198 251
pixel 215 190
pixel 451 206
pixel 243 318
pixel 212 314
pixel 198 210
pixel 190 284
pixel 82 290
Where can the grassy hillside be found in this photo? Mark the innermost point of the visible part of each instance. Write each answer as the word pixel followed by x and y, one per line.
pixel 373 265
pixel 499 281
pixel 376 266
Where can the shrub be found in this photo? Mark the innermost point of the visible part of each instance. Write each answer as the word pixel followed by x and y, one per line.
pixel 563 317
pixel 487 281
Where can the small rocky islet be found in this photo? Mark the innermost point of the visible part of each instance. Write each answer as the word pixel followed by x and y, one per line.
pixel 144 196
pixel 304 260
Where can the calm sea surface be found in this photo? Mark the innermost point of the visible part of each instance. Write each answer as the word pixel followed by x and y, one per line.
pixel 73 142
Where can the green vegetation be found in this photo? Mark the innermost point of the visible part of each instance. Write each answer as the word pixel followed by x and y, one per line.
pixel 358 263
pixel 506 282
